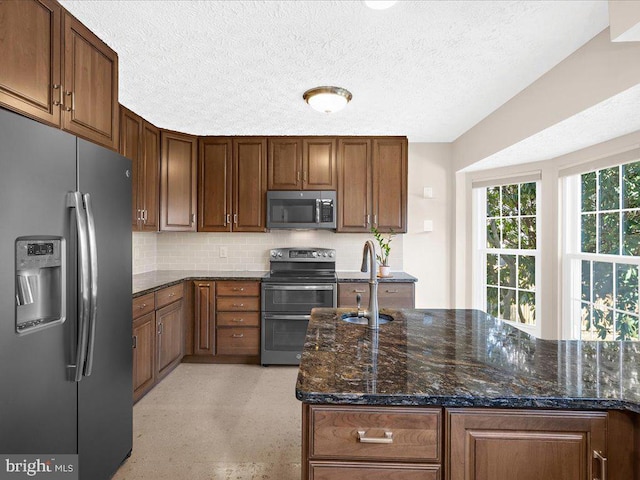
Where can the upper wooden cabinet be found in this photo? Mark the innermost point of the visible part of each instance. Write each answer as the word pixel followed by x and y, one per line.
pixel 90 83
pixel 30 74
pixel 178 182
pixel 232 184
pixel 296 163
pixel 372 184
pixel 140 142
pixel 38 39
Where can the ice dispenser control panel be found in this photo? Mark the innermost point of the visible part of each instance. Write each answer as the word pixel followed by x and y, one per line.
pixel 40 283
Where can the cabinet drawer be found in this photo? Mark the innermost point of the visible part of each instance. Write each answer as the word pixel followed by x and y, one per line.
pixel 372 471
pixel 390 294
pixel 238 289
pixel 240 319
pixel 143 305
pixel 238 304
pixel 238 341
pixel 411 434
pixel 168 295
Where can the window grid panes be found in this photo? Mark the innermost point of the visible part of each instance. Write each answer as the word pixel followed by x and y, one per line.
pixel 511 252
pixel 609 251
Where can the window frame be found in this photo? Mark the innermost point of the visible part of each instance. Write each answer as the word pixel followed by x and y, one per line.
pixel 479 284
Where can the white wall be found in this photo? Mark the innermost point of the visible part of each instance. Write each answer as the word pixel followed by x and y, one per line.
pixel 427 254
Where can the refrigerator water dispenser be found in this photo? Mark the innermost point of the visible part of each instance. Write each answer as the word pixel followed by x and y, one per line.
pixel 40 283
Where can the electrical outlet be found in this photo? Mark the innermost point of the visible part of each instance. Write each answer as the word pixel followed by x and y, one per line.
pixel 223 252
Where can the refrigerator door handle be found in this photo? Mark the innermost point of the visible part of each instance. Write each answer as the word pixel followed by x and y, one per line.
pixel 93 264
pixel 74 200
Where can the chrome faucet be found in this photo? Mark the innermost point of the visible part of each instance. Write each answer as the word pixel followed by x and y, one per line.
pixel 371 313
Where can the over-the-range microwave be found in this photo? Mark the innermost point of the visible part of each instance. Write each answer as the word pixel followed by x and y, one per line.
pixel 301 209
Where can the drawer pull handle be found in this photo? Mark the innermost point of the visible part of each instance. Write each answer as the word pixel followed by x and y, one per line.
pixel 392 291
pixel 388 438
pixel 144 305
pixel 238 305
pixel 237 320
pixel 603 464
pixel 238 335
pixel 172 294
pixel 359 291
pixel 236 289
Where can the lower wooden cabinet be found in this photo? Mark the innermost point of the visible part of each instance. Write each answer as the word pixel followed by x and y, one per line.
pixel 376 442
pixel 226 321
pixel 390 294
pixel 526 445
pixel 158 338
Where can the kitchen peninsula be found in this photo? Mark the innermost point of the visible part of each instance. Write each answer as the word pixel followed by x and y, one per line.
pixel 457 394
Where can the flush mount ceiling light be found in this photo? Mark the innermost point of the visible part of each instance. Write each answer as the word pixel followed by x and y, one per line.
pixel 380 4
pixel 327 99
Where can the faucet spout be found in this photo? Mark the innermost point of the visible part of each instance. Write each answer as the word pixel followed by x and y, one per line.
pixel 369 264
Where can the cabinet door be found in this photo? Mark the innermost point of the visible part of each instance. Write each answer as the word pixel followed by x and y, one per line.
pixel 527 445
pixel 30 58
pixel 178 182
pixel 389 184
pixel 130 147
pixel 90 84
pixel 354 185
pixel 214 185
pixel 319 164
pixel 149 174
pixel 285 164
pixel 144 348
pixel 205 318
pixel 169 322
pixel 249 184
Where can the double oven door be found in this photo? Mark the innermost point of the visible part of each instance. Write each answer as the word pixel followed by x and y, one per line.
pixel 286 308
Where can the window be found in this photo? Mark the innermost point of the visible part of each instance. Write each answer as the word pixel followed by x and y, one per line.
pixel 508 251
pixel 604 258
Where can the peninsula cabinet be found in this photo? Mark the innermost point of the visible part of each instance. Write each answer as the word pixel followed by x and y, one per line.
pixel 232 184
pixel 372 184
pixel 140 142
pixel 178 182
pixel 527 445
pixel 296 163
pixel 61 74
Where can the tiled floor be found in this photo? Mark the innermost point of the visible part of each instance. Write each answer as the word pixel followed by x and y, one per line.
pixel 218 422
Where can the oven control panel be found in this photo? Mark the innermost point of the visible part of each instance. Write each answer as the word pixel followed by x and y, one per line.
pixel 303 255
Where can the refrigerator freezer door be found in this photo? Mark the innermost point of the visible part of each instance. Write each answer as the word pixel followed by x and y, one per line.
pixel 105 396
pixel 37 399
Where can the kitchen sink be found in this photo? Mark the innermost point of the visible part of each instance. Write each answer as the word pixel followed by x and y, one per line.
pixel 352 317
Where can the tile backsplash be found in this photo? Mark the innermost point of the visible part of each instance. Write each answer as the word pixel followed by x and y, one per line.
pixel 245 251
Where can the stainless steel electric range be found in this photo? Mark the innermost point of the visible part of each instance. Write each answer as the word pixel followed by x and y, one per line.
pixel 299 279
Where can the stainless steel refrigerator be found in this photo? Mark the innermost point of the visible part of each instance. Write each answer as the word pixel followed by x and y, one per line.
pixel 65 297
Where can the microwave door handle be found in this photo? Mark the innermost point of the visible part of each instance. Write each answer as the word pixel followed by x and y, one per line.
pixel 318 202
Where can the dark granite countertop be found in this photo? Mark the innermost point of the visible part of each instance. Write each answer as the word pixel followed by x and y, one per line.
pixel 148 282
pixel 144 283
pixel 461 358
pixel 364 277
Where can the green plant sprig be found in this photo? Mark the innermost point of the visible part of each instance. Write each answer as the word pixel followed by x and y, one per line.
pixel 385 245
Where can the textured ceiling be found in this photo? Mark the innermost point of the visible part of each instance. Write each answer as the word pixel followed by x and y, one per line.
pixel 426 69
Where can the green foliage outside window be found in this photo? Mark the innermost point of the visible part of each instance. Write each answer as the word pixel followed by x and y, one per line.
pixel 610 225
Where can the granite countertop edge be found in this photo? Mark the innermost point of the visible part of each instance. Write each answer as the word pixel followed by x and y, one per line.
pixel 462 401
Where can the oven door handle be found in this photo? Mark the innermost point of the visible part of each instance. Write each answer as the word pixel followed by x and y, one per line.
pixel 298 287
pixel 276 316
